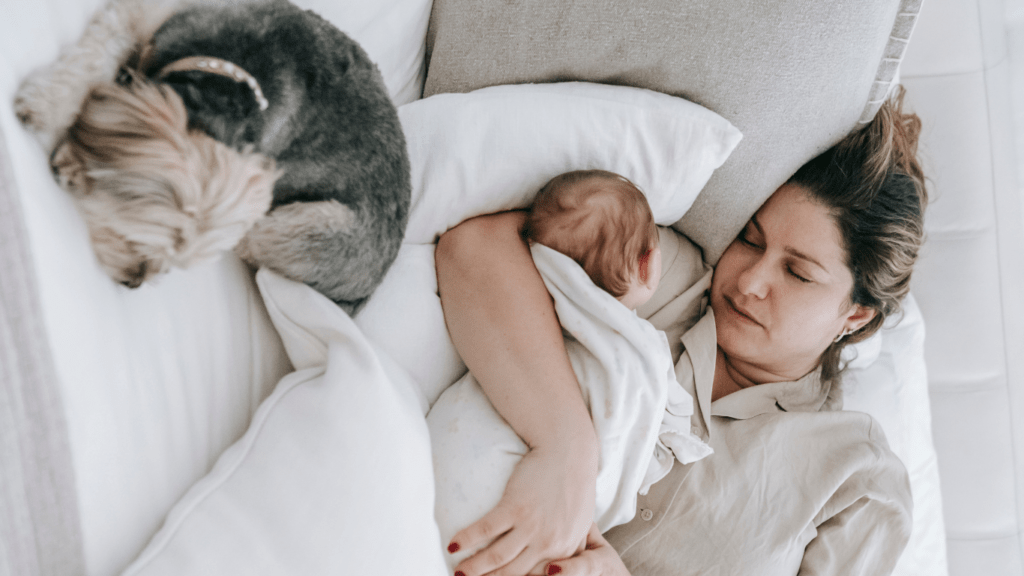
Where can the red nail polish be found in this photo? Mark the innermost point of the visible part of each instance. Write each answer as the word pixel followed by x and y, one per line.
pixel 552 569
pixel 452 549
pixel 460 573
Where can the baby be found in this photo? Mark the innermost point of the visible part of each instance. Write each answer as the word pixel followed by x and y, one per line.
pixel 601 221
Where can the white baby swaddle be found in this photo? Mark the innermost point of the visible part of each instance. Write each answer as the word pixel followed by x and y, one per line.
pixel 625 372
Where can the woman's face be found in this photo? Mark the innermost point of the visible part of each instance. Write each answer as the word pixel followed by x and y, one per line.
pixel 781 292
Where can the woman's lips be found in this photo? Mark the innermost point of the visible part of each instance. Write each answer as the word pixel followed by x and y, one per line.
pixel 742 313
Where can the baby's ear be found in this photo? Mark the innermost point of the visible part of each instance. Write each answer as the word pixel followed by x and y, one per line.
pixel 644 265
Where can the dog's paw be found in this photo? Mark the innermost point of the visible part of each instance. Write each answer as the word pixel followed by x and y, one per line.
pixel 47 108
pixel 28 106
pixel 295 238
pixel 24 111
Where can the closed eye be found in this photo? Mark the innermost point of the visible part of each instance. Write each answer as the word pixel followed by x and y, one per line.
pixel 747 241
pixel 797 276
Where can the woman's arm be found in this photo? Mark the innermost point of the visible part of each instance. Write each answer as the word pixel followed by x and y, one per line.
pixel 504 326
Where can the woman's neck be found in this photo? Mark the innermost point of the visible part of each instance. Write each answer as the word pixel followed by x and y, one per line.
pixel 733 376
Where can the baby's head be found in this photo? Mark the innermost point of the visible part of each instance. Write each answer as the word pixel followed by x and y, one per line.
pixel 602 221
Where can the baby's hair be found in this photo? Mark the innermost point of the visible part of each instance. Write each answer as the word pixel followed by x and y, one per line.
pixel 599 219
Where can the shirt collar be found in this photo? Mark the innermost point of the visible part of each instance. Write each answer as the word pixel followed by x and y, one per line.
pixel 808 394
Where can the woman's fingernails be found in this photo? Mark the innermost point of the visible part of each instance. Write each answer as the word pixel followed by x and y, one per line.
pixel 553 569
pixel 452 549
pixel 459 573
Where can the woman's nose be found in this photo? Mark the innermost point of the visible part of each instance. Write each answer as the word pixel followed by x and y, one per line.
pixel 755 279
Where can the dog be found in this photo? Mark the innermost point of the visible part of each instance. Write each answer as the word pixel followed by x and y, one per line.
pixel 185 129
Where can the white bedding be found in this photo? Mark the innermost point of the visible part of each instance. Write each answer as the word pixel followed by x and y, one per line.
pixel 155 382
pixel 333 475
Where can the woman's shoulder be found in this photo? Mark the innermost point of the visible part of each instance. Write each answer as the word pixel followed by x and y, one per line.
pixel 682 268
pixel 680 255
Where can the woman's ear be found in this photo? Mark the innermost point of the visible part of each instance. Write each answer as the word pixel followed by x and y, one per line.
pixel 858 316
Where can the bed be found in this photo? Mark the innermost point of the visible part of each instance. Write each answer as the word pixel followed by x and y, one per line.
pixel 154 430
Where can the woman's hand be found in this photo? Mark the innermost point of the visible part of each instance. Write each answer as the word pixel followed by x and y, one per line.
pixel 543 515
pixel 598 559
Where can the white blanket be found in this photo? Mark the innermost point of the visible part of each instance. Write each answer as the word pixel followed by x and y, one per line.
pixel 625 372
pixel 333 475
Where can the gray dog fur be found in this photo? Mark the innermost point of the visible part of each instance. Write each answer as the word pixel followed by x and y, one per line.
pixel 331 127
pixel 341 198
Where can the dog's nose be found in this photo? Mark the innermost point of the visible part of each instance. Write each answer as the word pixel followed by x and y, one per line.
pixel 135 277
pixel 124 76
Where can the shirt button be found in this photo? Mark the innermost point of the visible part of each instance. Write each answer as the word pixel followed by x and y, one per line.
pixel 647 514
pixel 695 430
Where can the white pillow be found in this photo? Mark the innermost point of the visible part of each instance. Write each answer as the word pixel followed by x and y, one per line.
pixel 334 475
pixel 890 382
pixel 404 318
pixel 493 149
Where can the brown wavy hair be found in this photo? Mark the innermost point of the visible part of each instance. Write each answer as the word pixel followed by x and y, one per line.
pixel 874 187
pixel 599 219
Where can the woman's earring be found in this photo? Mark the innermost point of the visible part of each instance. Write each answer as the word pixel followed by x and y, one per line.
pixel 846 332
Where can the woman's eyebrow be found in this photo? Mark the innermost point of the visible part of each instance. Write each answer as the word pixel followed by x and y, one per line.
pixel 789 249
pixel 802 256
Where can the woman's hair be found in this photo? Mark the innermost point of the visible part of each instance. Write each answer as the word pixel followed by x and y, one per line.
pixel 873 185
pixel 599 219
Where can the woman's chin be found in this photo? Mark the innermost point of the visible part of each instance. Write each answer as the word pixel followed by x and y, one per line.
pixel 739 340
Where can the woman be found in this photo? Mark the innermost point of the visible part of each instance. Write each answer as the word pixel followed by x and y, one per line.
pixel 821 265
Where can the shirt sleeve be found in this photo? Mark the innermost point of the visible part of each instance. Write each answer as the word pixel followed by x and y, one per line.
pixel 864 527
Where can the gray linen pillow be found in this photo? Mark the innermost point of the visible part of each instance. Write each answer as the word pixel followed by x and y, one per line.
pixel 794 76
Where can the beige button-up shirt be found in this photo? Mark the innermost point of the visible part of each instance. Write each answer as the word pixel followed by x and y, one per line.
pixel 794 486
